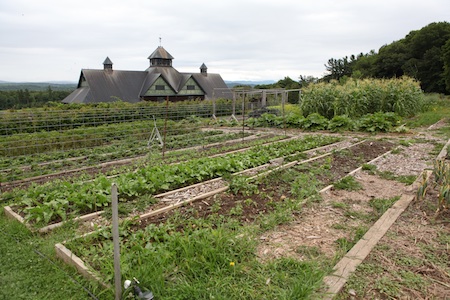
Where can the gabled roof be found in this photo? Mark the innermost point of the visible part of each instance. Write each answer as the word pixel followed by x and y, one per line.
pixel 170 75
pixel 213 85
pixel 80 95
pixel 107 86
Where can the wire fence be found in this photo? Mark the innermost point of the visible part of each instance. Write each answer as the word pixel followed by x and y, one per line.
pixel 70 132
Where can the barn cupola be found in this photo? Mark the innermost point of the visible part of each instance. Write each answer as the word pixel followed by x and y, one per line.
pixel 107 64
pixel 203 70
pixel 160 58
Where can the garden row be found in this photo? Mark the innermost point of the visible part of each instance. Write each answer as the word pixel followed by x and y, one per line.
pixel 54 160
pixel 91 165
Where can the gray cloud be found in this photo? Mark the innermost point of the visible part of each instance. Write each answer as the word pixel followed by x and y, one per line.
pixel 242 40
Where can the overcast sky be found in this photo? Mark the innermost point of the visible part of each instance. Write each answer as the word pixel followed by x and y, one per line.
pixel 43 40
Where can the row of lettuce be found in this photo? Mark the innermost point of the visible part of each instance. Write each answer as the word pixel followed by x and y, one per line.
pixel 59 200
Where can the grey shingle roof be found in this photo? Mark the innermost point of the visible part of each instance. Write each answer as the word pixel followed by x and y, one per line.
pixel 108 86
pixel 160 52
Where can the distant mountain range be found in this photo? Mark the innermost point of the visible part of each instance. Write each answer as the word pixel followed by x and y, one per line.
pixel 247 82
pixel 37 86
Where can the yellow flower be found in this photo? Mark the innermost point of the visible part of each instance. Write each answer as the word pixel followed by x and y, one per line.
pixel 232 263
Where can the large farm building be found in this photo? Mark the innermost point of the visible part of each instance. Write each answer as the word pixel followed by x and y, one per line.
pixel 159 81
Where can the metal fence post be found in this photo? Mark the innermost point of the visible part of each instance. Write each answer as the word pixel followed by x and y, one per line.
pixel 115 233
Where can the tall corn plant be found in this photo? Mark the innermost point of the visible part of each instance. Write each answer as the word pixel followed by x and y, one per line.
pixel 355 98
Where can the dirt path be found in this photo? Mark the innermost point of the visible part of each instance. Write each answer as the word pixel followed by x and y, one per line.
pixel 410 262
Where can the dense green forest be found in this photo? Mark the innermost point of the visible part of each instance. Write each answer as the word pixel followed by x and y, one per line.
pixel 423 55
pixel 23 98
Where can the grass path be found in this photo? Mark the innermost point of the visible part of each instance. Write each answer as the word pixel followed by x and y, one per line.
pixel 29 269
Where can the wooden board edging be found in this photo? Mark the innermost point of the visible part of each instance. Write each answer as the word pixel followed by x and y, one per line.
pixel 71 259
pixel 348 264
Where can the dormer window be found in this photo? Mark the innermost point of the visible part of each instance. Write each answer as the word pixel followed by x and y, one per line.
pixel 160 87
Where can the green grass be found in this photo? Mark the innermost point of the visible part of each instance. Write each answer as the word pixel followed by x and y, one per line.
pixel 208 263
pixel 348 183
pixel 369 167
pixel 30 270
pixel 438 108
pixel 340 205
pixel 380 205
pixel 406 179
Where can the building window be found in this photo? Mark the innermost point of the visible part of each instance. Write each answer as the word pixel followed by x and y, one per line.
pixel 160 87
pixel 191 87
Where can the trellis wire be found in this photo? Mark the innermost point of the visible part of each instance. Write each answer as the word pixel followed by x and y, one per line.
pixel 62 123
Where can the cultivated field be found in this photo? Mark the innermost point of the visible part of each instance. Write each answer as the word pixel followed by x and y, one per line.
pixel 222 206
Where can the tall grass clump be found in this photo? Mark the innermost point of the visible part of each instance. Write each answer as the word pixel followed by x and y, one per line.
pixel 355 98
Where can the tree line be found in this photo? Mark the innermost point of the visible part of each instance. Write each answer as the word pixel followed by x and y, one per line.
pixel 24 98
pixel 423 55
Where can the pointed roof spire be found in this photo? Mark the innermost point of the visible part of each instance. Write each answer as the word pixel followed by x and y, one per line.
pixel 107 61
pixel 160 58
pixel 203 69
pixel 160 52
pixel 107 64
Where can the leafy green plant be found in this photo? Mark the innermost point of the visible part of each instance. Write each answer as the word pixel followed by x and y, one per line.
pixel 423 187
pixel 377 122
pixel 340 123
pixel 315 121
pixel 407 179
pixel 241 184
pixel 340 205
pixel 236 210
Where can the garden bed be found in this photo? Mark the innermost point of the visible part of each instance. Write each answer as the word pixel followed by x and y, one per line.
pixel 52 202
pixel 247 203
